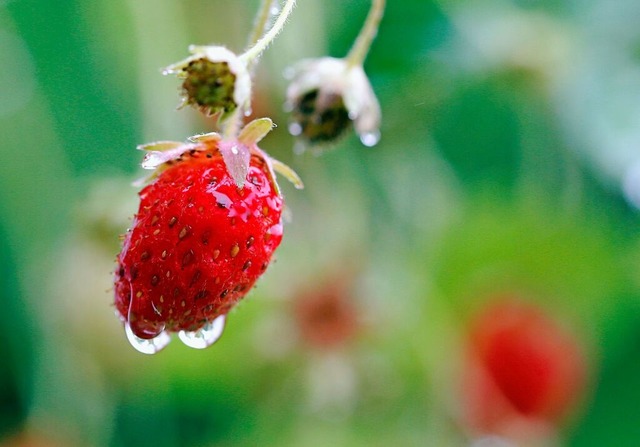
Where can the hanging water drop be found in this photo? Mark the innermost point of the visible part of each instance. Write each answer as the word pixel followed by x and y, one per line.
pixel 370 139
pixel 205 336
pixel 147 346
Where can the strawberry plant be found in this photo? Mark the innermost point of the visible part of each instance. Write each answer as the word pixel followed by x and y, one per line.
pixel 210 217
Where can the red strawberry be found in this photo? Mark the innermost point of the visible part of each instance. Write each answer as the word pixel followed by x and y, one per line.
pixel 202 236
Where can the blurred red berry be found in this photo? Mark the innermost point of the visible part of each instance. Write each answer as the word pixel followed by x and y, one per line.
pixel 522 365
pixel 325 316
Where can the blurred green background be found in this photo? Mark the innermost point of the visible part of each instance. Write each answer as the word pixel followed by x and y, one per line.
pixel 509 164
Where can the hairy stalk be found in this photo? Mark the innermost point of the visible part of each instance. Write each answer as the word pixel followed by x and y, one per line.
pixel 262 44
pixel 360 48
pixel 260 24
pixel 232 125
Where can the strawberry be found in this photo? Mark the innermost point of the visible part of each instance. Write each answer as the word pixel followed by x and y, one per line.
pixel 206 229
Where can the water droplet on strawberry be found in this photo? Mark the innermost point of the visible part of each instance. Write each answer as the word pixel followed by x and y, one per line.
pixel 147 346
pixel 205 336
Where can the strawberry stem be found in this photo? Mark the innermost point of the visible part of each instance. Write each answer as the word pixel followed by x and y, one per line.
pixel 260 24
pixel 256 50
pixel 268 8
pixel 360 48
pixel 232 125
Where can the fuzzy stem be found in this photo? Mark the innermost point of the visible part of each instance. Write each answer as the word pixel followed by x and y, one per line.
pixel 261 20
pixel 233 123
pixel 256 50
pixel 360 48
pixel 268 8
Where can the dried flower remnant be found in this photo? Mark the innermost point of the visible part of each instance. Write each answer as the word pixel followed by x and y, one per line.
pixel 214 80
pixel 327 95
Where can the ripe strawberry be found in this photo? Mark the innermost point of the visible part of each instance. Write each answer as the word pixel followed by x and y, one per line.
pixel 202 236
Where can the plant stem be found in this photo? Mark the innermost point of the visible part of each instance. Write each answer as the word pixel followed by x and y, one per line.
pixel 261 20
pixel 360 48
pixel 233 123
pixel 256 50
pixel 268 8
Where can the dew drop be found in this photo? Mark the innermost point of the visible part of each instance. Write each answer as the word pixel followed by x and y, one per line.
pixel 370 139
pixel 248 111
pixel 150 346
pixel 205 336
pixel 275 10
pixel 295 129
pixel 234 150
